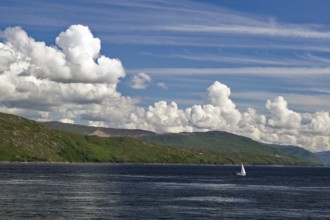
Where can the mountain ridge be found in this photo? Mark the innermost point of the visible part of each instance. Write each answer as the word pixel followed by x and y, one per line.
pixel 26 140
pixel 97 131
pixel 298 151
pixel 149 136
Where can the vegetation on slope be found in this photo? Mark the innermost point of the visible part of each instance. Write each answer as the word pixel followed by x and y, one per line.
pixel 126 150
pixel 234 148
pixel 72 128
pixel 89 130
pixel 301 152
pixel 26 140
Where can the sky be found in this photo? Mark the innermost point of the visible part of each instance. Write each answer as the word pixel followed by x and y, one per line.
pixel 255 68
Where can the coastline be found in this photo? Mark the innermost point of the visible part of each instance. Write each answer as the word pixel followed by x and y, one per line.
pixel 154 164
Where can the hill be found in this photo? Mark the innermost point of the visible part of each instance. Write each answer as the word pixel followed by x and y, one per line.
pixel 96 131
pixel 72 128
pixel 212 140
pixel 233 147
pixel 26 140
pixel 301 152
pixel 324 157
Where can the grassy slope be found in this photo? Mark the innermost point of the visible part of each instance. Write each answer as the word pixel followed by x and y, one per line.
pixel 126 150
pixel 25 140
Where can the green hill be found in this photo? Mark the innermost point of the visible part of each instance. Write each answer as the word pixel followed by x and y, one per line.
pixel 301 152
pixel 72 128
pixel 212 140
pixel 97 131
pixel 234 148
pixel 26 140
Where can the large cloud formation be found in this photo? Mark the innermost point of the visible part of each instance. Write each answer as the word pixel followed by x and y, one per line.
pixel 64 82
pixel 72 81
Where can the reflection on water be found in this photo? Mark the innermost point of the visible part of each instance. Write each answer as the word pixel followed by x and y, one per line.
pixel 77 191
pixel 217 199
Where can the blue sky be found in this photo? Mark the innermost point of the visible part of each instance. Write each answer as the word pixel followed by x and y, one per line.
pixel 146 37
pixel 259 49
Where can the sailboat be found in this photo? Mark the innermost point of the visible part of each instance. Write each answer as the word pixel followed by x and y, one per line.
pixel 242 173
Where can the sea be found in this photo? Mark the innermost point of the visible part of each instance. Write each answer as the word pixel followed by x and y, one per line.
pixel 130 191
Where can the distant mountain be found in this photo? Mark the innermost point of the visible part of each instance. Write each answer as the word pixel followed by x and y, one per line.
pixel 324 157
pixel 301 152
pixel 233 147
pixel 96 131
pixel 26 140
pixel 72 128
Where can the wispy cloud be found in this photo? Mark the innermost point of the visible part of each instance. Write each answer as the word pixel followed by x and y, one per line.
pixel 260 71
pixel 306 60
pixel 315 59
pixel 161 22
pixel 270 30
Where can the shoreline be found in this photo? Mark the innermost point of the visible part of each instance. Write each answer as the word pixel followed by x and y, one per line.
pixel 154 164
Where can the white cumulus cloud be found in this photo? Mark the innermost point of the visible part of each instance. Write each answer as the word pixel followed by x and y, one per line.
pixel 140 81
pixel 67 121
pixel 281 116
pixel 69 81
pixel 82 51
pixel 76 60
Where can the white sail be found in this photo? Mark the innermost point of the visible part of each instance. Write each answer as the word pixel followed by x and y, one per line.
pixel 242 173
pixel 243 170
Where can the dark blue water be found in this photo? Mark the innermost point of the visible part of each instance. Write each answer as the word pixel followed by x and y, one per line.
pixel 94 191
